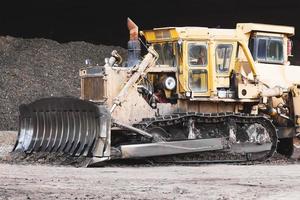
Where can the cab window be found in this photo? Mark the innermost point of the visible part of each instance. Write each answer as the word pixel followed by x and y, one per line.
pixel 275 50
pixel 197 55
pixel 267 49
pixel 198 80
pixel 166 54
pixel 262 49
pixel 223 57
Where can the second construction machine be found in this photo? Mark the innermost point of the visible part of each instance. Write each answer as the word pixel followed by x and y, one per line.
pixel 197 90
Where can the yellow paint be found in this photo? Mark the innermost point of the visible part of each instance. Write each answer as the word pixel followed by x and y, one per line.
pixel 212 37
pixel 158 35
pixel 249 57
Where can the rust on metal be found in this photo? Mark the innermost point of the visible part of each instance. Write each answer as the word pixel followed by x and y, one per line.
pixel 133 29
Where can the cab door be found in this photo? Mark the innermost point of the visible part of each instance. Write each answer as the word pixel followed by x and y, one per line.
pixel 197 68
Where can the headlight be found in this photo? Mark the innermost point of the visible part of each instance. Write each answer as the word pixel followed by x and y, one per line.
pixel 170 83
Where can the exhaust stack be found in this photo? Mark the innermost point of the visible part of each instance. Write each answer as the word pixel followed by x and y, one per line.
pixel 134 45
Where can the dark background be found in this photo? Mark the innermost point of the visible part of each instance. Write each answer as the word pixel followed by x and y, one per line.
pixel 105 21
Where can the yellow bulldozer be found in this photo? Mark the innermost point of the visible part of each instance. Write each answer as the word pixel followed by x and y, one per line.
pixel 197 90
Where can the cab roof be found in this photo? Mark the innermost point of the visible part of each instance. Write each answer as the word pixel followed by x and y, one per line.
pixel 249 27
pixel 188 33
pixel 196 33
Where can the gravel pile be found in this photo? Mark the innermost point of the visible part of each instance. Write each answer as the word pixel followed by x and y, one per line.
pixel 35 68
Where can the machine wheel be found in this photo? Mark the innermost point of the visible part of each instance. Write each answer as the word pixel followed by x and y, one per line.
pixel 159 134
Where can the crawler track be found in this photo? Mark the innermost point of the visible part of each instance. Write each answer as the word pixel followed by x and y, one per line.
pixel 176 127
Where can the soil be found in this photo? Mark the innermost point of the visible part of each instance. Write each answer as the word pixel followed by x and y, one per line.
pixel 218 182
pixel 41 179
pixel 7 141
pixel 35 68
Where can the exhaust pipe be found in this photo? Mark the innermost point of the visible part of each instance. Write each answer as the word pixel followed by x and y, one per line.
pixel 134 45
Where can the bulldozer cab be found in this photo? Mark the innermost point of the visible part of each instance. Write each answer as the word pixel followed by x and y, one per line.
pixel 204 58
pixel 207 63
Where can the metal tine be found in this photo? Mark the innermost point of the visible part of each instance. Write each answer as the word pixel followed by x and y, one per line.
pixel 97 134
pixel 77 139
pixel 83 134
pixel 40 134
pixel 20 139
pixel 62 133
pixel 22 136
pixel 89 133
pixel 90 149
pixel 59 131
pixel 28 149
pixel 86 134
pixel 55 126
pixel 65 138
pixel 95 137
pixel 75 132
pixel 26 122
pixel 72 129
pixel 92 134
pixel 51 131
pixel 47 132
pixel 35 127
pixel 35 134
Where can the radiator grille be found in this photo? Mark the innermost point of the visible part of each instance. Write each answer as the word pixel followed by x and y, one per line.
pixel 93 88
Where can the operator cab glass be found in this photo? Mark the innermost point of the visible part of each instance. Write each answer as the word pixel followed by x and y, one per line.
pixel 166 54
pixel 197 62
pixel 267 49
pixel 223 57
pixel 197 55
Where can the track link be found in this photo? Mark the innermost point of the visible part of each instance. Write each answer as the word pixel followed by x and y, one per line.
pixel 215 125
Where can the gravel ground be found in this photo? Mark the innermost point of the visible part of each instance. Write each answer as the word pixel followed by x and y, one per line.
pixel 171 182
pixel 278 179
pixel 34 68
pixel 7 141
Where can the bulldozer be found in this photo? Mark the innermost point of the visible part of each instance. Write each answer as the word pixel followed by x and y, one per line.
pixel 197 90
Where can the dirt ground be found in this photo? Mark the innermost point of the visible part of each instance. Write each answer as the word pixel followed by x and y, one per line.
pixel 169 182
pixel 17 181
pixel 7 142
